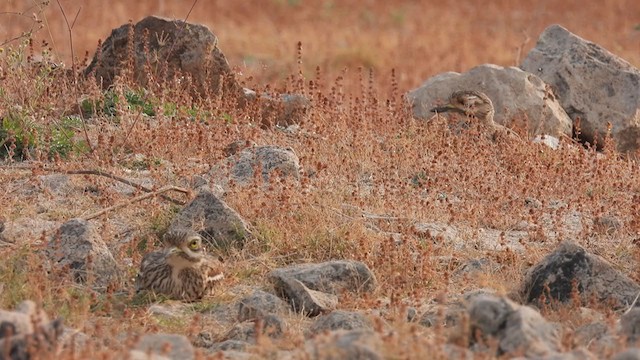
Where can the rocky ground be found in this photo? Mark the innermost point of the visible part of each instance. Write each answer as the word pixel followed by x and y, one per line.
pixel 351 225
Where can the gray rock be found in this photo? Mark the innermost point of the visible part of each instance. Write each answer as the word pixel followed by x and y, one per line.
pixel 516 328
pixel 630 325
pixel 305 300
pixel 527 330
pixel 592 84
pixel 79 246
pixel 259 305
pixel 443 315
pixel 331 277
pixel 268 161
pixel 571 264
pixel 221 225
pixel 359 344
pixel 516 95
pixel 628 354
pixel 340 320
pixel 56 183
pixel 188 49
pixel 179 346
pixel 229 345
pixel 21 320
pixel 27 230
pixel 548 140
pixel 38 343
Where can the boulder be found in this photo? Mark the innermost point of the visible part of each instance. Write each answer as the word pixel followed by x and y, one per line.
pixel 516 95
pixel 570 267
pixel 78 245
pixel 268 161
pixel 221 226
pixel 166 48
pixel 594 86
pixel 517 329
pixel 332 277
pixel 260 304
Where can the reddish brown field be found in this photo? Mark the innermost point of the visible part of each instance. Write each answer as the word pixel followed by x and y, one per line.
pixel 412 171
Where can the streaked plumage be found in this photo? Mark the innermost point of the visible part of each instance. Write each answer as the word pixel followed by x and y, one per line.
pixel 470 103
pixel 475 105
pixel 181 271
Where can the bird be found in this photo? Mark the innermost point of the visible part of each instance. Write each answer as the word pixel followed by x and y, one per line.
pixel 475 105
pixel 182 270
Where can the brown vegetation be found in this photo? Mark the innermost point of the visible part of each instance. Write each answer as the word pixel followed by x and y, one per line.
pixel 370 168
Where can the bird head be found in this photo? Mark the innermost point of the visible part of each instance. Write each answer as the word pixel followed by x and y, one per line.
pixel 187 244
pixel 470 103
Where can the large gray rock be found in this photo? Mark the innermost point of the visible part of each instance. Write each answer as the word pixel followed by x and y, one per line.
pixel 331 277
pixel 174 47
pixel 572 266
pixel 79 246
pixel 516 95
pixel 218 224
pixel 592 84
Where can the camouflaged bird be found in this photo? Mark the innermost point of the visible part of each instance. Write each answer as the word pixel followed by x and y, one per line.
pixel 475 105
pixel 181 271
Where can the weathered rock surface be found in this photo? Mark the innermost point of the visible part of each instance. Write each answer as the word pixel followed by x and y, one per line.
pixel 79 246
pixel 173 47
pixel 358 344
pixel 218 224
pixel 516 95
pixel 267 161
pixel 331 277
pixel 592 84
pixel 178 346
pixel 305 300
pixel 571 265
pixel 27 332
pixel 259 305
pixel 340 320
pixel 516 328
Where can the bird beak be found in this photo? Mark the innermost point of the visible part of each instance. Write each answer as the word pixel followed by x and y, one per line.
pixel 175 250
pixel 446 108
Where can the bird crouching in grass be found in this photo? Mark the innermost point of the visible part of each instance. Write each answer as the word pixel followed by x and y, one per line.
pixel 181 271
pixel 477 106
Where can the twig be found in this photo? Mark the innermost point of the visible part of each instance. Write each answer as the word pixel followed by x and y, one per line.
pixel 100 173
pixel 125 181
pixel 136 199
pixel 633 304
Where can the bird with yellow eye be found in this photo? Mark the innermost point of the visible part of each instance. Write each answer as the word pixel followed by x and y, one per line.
pixel 181 271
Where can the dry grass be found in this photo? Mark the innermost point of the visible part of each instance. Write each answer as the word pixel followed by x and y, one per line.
pixel 362 152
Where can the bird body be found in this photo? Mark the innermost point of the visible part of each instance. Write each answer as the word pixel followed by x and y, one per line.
pixel 475 105
pixel 182 271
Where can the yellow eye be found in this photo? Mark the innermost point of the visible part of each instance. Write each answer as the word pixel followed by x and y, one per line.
pixel 193 245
